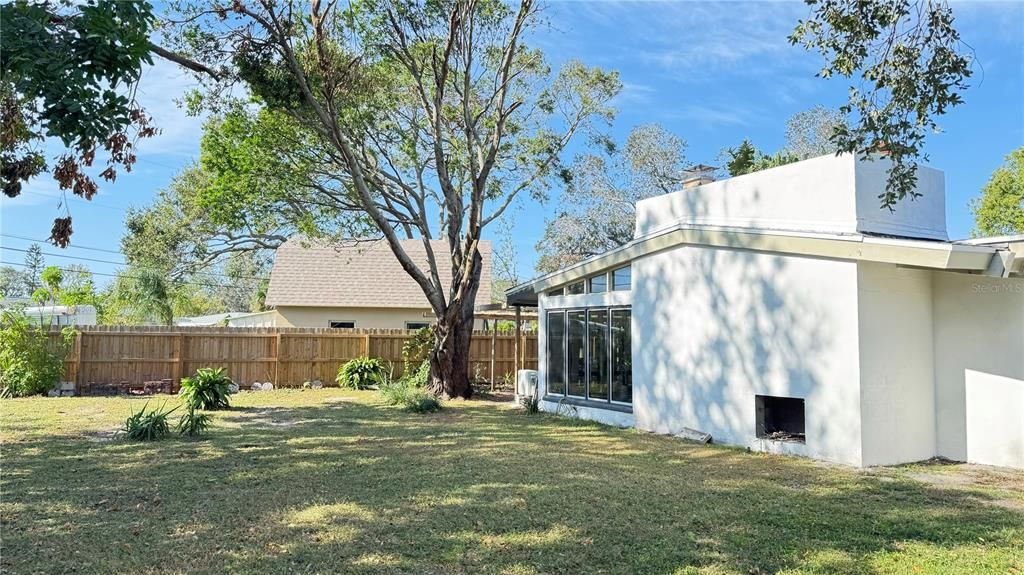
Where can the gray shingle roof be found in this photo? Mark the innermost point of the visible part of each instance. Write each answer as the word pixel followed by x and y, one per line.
pixel 359 274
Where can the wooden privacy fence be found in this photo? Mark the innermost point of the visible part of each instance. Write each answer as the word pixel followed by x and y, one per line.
pixel 287 357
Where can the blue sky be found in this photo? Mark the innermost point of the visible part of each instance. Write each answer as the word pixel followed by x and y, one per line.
pixel 711 72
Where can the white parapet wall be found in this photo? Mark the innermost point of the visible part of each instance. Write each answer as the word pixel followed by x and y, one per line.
pixel 832 194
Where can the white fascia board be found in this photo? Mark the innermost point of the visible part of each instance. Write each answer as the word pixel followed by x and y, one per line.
pixel 916 253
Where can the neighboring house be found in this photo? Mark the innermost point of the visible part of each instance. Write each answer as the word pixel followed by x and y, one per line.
pixel 784 311
pixel 358 284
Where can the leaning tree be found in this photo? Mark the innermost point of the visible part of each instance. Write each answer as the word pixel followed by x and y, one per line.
pixel 426 119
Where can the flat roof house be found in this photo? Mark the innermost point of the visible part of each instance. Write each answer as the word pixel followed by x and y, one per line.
pixel 784 311
pixel 357 284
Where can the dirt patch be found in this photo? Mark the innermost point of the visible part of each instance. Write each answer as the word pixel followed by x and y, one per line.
pixel 100 436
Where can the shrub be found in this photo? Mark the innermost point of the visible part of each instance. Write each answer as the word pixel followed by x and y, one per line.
pixel 29 363
pixel 193 423
pixel 531 403
pixel 207 389
pixel 147 425
pixel 419 377
pixel 416 348
pixel 405 393
pixel 361 373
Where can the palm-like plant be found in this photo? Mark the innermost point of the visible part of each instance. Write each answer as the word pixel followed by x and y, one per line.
pixel 207 389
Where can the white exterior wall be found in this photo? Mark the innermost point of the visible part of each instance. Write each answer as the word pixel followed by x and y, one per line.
pixel 896 364
pixel 836 194
pixel 979 331
pixel 995 419
pixel 714 327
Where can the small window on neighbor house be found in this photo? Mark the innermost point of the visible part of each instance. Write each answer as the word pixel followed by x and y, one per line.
pixel 622 279
pixel 556 292
pixel 599 284
pixel 416 324
pixel 576 288
pixel 341 324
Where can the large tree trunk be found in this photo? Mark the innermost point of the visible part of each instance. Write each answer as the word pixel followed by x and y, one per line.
pixel 449 360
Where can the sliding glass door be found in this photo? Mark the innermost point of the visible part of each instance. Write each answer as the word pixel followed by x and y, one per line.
pixel 589 354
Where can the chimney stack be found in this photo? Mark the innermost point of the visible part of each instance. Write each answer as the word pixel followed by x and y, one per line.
pixel 698 176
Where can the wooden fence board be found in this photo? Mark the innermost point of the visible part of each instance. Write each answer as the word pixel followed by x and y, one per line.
pixel 286 357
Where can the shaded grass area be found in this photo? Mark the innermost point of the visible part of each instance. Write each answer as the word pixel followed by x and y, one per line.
pixel 333 482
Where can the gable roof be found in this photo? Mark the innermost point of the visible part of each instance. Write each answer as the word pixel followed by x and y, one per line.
pixel 362 273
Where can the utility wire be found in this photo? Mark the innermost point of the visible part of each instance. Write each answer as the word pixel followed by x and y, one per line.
pixel 180 282
pixel 211 274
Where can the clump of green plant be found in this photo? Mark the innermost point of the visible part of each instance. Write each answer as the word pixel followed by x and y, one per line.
pixel 147 425
pixel 361 373
pixel 416 348
pixel 30 362
pixel 410 392
pixel 207 389
pixel 193 423
pixel 531 403
pixel 421 376
pixel 403 393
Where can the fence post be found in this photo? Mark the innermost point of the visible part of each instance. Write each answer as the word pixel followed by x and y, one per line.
pixel 78 360
pixel 179 355
pixel 494 344
pixel 277 361
pixel 366 345
pixel 519 335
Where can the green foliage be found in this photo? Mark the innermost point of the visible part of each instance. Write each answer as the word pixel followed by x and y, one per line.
pixel 207 389
pixel 912 67
pixel 147 425
pixel 416 348
pixel 599 202
pixel 746 159
pixel 193 423
pixel 408 395
pixel 1000 209
pixel 29 363
pixel 68 71
pixel 420 376
pixel 531 404
pixel 361 373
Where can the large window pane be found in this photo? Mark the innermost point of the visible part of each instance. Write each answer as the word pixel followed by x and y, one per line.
pixel 577 375
pixel 556 353
pixel 597 336
pixel 622 278
pixel 599 284
pixel 622 356
pixel 576 288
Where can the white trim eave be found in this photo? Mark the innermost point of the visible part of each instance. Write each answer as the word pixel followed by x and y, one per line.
pixel 906 252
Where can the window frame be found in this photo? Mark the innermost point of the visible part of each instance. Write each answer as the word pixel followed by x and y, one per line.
pixel 611 283
pixel 589 402
pixel 590 283
pixel 583 283
pixel 421 324
pixel 333 321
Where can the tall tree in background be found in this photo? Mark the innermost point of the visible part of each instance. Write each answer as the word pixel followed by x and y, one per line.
pixel 424 119
pixel 600 199
pixel 32 275
pixel 809 133
pixel 1000 209
pixel 912 68
pixel 11 282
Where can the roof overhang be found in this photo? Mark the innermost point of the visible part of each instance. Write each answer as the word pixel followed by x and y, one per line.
pixel 927 254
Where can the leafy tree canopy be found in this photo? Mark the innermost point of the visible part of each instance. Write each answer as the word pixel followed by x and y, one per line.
pixel 604 185
pixel 912 68
pixel 1000 209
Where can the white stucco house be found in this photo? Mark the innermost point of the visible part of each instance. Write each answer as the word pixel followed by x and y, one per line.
pixel 784 311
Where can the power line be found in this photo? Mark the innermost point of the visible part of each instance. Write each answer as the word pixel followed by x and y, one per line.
pixel 178 281
pixel 210 274
pixel 26 238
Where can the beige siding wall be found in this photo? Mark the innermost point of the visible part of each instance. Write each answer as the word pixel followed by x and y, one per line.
pixel 382 318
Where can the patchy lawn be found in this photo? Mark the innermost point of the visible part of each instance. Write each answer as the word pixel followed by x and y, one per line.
pixel 331 482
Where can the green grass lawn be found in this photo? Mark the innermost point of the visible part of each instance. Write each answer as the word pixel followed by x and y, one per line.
pixel 333 482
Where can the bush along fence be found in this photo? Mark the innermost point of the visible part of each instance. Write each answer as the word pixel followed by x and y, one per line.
pixel 154 358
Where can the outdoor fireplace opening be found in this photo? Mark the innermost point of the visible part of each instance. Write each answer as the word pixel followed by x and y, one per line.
pixel 780 418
